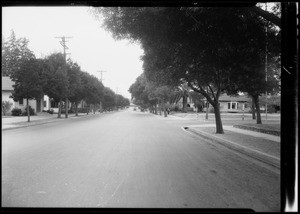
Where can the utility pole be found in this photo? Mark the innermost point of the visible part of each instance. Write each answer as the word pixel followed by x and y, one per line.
pixel 102 83
pixel 101 75
pixel 63 43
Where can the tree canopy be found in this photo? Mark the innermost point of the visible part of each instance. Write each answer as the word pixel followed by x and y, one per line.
pixel 14 51
pixel 27 82
pixel 196 46
pixel 54 77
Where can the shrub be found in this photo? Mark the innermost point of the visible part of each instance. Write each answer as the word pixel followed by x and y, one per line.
pixel 16 112
pixel 70 111
pixel 81 110
pixel 50 111
pixel 6 105
pixel 31 111
pixel 271 109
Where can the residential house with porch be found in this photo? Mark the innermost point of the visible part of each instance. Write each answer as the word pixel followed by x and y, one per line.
pixel 7 89
pixel 232 104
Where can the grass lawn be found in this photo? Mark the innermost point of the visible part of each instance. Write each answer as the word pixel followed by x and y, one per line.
pixel 273 129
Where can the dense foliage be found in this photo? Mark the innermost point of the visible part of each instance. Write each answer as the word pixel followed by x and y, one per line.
pixel 214 54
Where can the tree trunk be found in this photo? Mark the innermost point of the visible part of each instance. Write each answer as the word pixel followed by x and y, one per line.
pixel 184 104
pixel 256 100
pixel 219 125
pixel 76 109
pixel 253 109
pixel 159 106
pixel 66 108
pixel 206 115
pixel 28 113
pixel 59 108
pixel 267 15
pixel 165 111
pixel 151 109
pixel 155 109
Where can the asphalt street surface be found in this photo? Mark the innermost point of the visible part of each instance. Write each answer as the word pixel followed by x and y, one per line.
pixel 129 159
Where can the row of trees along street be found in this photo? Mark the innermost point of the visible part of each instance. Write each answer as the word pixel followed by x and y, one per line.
pixel 158 98
pixel 53 76
pixel 213 50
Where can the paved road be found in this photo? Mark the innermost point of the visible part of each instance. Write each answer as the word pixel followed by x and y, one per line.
pixel 129 159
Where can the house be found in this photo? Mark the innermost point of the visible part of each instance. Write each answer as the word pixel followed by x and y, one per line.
pixel 232 104
pixel 43 104
pixel 190 104
pixel 51 104
pixel 7 89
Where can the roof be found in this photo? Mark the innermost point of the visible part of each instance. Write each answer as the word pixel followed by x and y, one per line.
pixel 7 84
pixel 225 97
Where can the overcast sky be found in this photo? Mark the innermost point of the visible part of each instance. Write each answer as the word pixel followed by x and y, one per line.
pixel 91 47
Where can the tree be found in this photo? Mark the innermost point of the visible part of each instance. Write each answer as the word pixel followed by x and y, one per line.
pixel 75 94
pixel 55 79
pixel 142 92
pixel 195 46
pixel 121 101
pixel 93 89
pixel 251 75
pixel 14 51
pixel 184 93
pixel 163 94
pixel 267 15
pixel 28 82
pixel 108 99
pixel 148 94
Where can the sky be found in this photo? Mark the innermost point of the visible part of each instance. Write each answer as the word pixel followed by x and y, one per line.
pixel 92 47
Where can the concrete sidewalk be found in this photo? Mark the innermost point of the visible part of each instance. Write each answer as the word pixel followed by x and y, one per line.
pixel 13 122
pixel 263 147
pixel 224 116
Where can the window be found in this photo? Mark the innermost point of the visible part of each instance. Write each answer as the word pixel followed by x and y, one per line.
pixel 54 104
pixel 233 105
pixel 45 103
pixel 228 105
pixel 21 102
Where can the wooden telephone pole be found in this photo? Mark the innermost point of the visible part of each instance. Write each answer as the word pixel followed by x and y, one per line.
pixel 63 43
pixel 102 83
pixel 101 75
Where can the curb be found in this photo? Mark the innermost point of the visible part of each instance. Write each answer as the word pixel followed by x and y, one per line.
pixel 27 125
pixel 263 157
pixel 42 121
